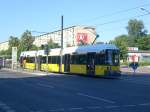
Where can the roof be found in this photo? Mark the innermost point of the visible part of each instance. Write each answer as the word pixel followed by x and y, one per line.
pixel 95 48
pixel 4 42
pixel 54 31
pixel 47 33
pixel 71 50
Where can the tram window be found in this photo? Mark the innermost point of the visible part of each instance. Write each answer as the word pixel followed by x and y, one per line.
pixel 78 59
pixel 109 58
pixel 30 59
pixel 43 60
pixel 82 59
pixel 57 59
pixel 53 59
pixel 27 59
pixel 71 59
pixel 112 57
pixel 100 58
pixel 63 59
pixel 49 59
pixel 115 58
pixel 74 59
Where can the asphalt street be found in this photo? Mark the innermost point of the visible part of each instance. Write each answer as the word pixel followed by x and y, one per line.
pixel 20 92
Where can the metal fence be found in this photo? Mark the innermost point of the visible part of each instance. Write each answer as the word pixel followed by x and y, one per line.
pixel 5 62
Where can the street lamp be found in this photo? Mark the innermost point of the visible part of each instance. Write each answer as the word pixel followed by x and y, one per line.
pixel 143 9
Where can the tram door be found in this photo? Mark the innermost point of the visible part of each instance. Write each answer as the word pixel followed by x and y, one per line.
pixel 91 63
pixel 67 63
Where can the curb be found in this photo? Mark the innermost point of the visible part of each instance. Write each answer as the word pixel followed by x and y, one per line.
pixel 30 72
pixel 136 73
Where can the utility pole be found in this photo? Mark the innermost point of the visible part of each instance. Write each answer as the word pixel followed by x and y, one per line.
pixel 61 51
pixel 46 52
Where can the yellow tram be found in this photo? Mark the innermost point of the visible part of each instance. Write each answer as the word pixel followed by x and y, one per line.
pixel 94 60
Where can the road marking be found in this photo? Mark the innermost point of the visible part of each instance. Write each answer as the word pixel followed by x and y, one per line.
pixel 96 98
pixel 45 85
pixel 57 110
pixel 109 107
pixel 78 108
pixel 129 105
pixel 94 107
pixel 144 104
pixel 37 111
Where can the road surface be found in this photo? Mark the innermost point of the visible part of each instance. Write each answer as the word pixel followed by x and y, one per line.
pixel 20 92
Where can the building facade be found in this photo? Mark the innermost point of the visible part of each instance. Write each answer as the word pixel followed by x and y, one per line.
pixel 4 46
pixel 72 36
pixel 135 55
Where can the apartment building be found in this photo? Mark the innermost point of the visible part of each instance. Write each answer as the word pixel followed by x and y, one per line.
pixel 4 46
pixel 72 36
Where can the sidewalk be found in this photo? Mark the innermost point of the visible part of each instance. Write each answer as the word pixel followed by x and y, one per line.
pixel 139 70
pixel 124 70
pixel 33 72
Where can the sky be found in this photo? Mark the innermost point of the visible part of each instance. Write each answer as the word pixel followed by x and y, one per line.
pixel 109 17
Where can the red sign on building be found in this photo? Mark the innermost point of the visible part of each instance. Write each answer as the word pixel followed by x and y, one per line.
pixel 82 37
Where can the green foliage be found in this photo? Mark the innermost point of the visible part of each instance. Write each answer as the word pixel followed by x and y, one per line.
pixel 144 64
pixel 41 47
pixel 143 43
pixel 121 42
pixel 34 47
pixel 26 41
pixel 135 30
pixel 137 37
pixel 124 63
pixel 52 45
pixel 4 53
pixel 13 42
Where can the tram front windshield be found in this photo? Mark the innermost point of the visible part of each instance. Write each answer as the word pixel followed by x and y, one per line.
pixel 112 57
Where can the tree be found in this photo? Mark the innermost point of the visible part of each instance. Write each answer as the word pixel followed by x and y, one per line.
pixel 13 42
pixel 34 47
pixel 26 41
pixel 4 53
pixel 135 30
pixel 121 43
pixel 144 43
pixel 52 45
